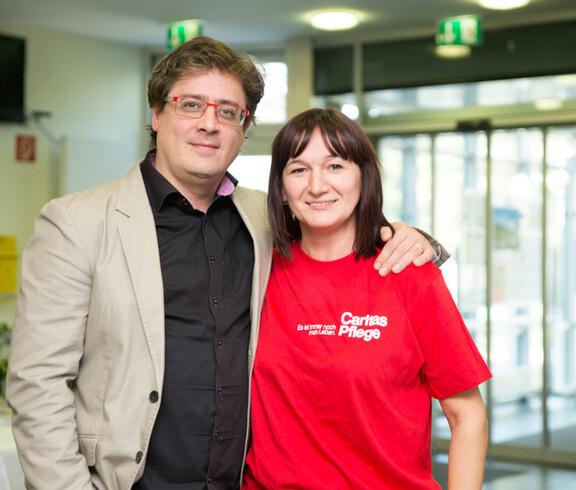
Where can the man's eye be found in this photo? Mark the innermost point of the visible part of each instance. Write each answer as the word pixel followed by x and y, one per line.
pixel 335 166
pixel 228 112
pixel 191 105
pixel 297 170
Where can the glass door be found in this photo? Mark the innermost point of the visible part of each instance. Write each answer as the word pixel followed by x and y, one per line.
pixel 516 286
pixel 560 297
pixel 502 201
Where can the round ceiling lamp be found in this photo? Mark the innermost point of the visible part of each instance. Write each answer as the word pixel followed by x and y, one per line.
pixel 334 20
pixel 453 51
pixel 503 4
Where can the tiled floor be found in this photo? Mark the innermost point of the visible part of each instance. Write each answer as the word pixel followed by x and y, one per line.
pixel 508 476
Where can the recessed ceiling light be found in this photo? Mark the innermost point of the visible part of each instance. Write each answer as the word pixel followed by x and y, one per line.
pixel 566 80
pixel 334 20
pixel 503 4
pixel 547 104
pixel 453 50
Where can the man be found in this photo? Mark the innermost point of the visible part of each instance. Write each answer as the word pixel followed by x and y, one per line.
pixel 139 308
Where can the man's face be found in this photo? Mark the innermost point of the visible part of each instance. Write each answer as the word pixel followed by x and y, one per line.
pixel 192 152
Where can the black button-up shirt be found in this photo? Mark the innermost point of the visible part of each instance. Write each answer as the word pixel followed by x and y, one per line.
pixel 207 263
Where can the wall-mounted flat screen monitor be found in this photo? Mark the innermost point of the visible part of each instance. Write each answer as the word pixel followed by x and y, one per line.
pixel 12 62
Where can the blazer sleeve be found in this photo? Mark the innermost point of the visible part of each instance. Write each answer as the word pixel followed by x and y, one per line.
pixel 46 350
pixel 441 255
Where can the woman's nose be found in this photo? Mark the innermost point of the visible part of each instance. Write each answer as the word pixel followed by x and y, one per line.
pixel 317 182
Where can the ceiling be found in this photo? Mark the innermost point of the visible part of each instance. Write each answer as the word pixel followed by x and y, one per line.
pixel 249 23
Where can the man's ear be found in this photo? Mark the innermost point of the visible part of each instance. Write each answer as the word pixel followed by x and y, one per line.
pixel 155 117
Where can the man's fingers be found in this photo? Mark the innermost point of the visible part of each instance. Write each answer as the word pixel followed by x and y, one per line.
pixel 385 233
pixel 405 247
pixel 392 253
pixel 427 255
pixel 407 257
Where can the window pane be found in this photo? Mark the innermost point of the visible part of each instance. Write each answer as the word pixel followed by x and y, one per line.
pixel 540 90
pixel 272 107
pixel 343 102
pixel 561 282
pixel 516 287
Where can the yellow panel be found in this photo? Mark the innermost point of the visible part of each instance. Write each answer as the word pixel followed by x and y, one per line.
pixel 8 258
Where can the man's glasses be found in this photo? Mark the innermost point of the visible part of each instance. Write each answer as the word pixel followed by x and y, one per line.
pixel 195 108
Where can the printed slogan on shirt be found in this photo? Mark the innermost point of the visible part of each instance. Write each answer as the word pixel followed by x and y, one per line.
pixel 365 327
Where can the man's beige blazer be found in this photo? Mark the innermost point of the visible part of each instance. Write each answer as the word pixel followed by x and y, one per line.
pixel 87 355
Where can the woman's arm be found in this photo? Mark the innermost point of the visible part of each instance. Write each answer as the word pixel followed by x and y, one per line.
pixel 467 456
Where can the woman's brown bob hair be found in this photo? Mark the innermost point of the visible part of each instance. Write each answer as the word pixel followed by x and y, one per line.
pixel 344 138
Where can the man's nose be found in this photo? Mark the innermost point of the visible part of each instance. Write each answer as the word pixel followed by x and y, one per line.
pixel 209 120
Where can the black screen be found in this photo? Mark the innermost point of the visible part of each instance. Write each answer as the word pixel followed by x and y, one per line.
pixel 12 56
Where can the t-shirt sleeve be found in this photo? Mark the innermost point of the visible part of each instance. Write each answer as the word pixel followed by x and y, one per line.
pixel 451 360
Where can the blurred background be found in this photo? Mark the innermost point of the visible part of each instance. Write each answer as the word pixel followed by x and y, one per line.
pixel 471 107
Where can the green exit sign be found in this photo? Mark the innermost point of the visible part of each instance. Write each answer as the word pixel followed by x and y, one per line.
pixel 465 31
pixel 180 32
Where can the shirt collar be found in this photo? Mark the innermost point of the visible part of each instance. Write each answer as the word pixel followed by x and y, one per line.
pixel 159 188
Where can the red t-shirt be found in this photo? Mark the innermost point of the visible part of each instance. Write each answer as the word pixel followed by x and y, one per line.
pixel 345 367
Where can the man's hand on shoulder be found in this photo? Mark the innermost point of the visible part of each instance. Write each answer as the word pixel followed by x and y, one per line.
pixel 407 246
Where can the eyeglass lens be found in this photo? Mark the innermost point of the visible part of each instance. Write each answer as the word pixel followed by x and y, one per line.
pixel 227 114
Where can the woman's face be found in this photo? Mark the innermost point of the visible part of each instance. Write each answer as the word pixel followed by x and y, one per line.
pixel 322 190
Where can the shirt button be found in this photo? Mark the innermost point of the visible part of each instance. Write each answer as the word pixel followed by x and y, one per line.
pixel 154 396
pixel 219 389
pixel 215 299
pixel 219 343
pixel 139 456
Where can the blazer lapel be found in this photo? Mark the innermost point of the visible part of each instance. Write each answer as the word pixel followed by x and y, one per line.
pixel 252 207
pixel 140 244
pixel 253 213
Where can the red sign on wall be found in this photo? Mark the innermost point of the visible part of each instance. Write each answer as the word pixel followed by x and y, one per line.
pixel 25 148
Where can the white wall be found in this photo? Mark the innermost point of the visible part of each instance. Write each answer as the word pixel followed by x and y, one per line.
pixel 94 90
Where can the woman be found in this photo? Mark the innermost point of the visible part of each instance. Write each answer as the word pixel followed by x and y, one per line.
pixel 348 361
